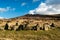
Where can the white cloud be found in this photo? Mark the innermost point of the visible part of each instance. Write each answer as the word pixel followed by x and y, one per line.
pixel 54 3
pixel 1 17
pixel 35 0
pixel 6 9
pixel 47 8
pixel 31 11
pixel 23 4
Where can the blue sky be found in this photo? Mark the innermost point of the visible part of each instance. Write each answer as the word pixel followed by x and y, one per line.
pixel 14 8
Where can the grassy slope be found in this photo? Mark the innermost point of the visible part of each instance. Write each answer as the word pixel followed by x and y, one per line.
pixel 31 35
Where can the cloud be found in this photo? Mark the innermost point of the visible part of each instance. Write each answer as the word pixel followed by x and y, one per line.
pixel 1 17
pixel 50 7
pixel 23 4
pixel 35 0
pixel 6 9
pixel 53 2
pixel 31 12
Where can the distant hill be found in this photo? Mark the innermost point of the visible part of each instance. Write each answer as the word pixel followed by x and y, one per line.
pixel 38 16
pixel 34 16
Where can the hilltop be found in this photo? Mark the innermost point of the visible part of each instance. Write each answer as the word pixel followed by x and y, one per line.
pixel 34 16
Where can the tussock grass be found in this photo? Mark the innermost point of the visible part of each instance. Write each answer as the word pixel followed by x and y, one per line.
pixel 53 34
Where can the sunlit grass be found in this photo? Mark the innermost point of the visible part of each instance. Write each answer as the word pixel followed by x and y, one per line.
pixel 53 34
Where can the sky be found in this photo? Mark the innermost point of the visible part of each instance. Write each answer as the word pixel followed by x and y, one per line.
pixel 15 8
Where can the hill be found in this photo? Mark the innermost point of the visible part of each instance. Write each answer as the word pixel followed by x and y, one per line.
pixel 38 16
pixel 50 34
pixel 34 18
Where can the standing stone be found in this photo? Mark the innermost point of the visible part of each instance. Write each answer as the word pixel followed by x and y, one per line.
pixel 6 26
pixel 46 26
pixel 17 23
pixel 38 28
pixel 52 25
pixel 35 27
pixel 20 28
pixel 12 28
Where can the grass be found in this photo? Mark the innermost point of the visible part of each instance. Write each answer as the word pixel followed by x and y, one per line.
pixel 53 34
